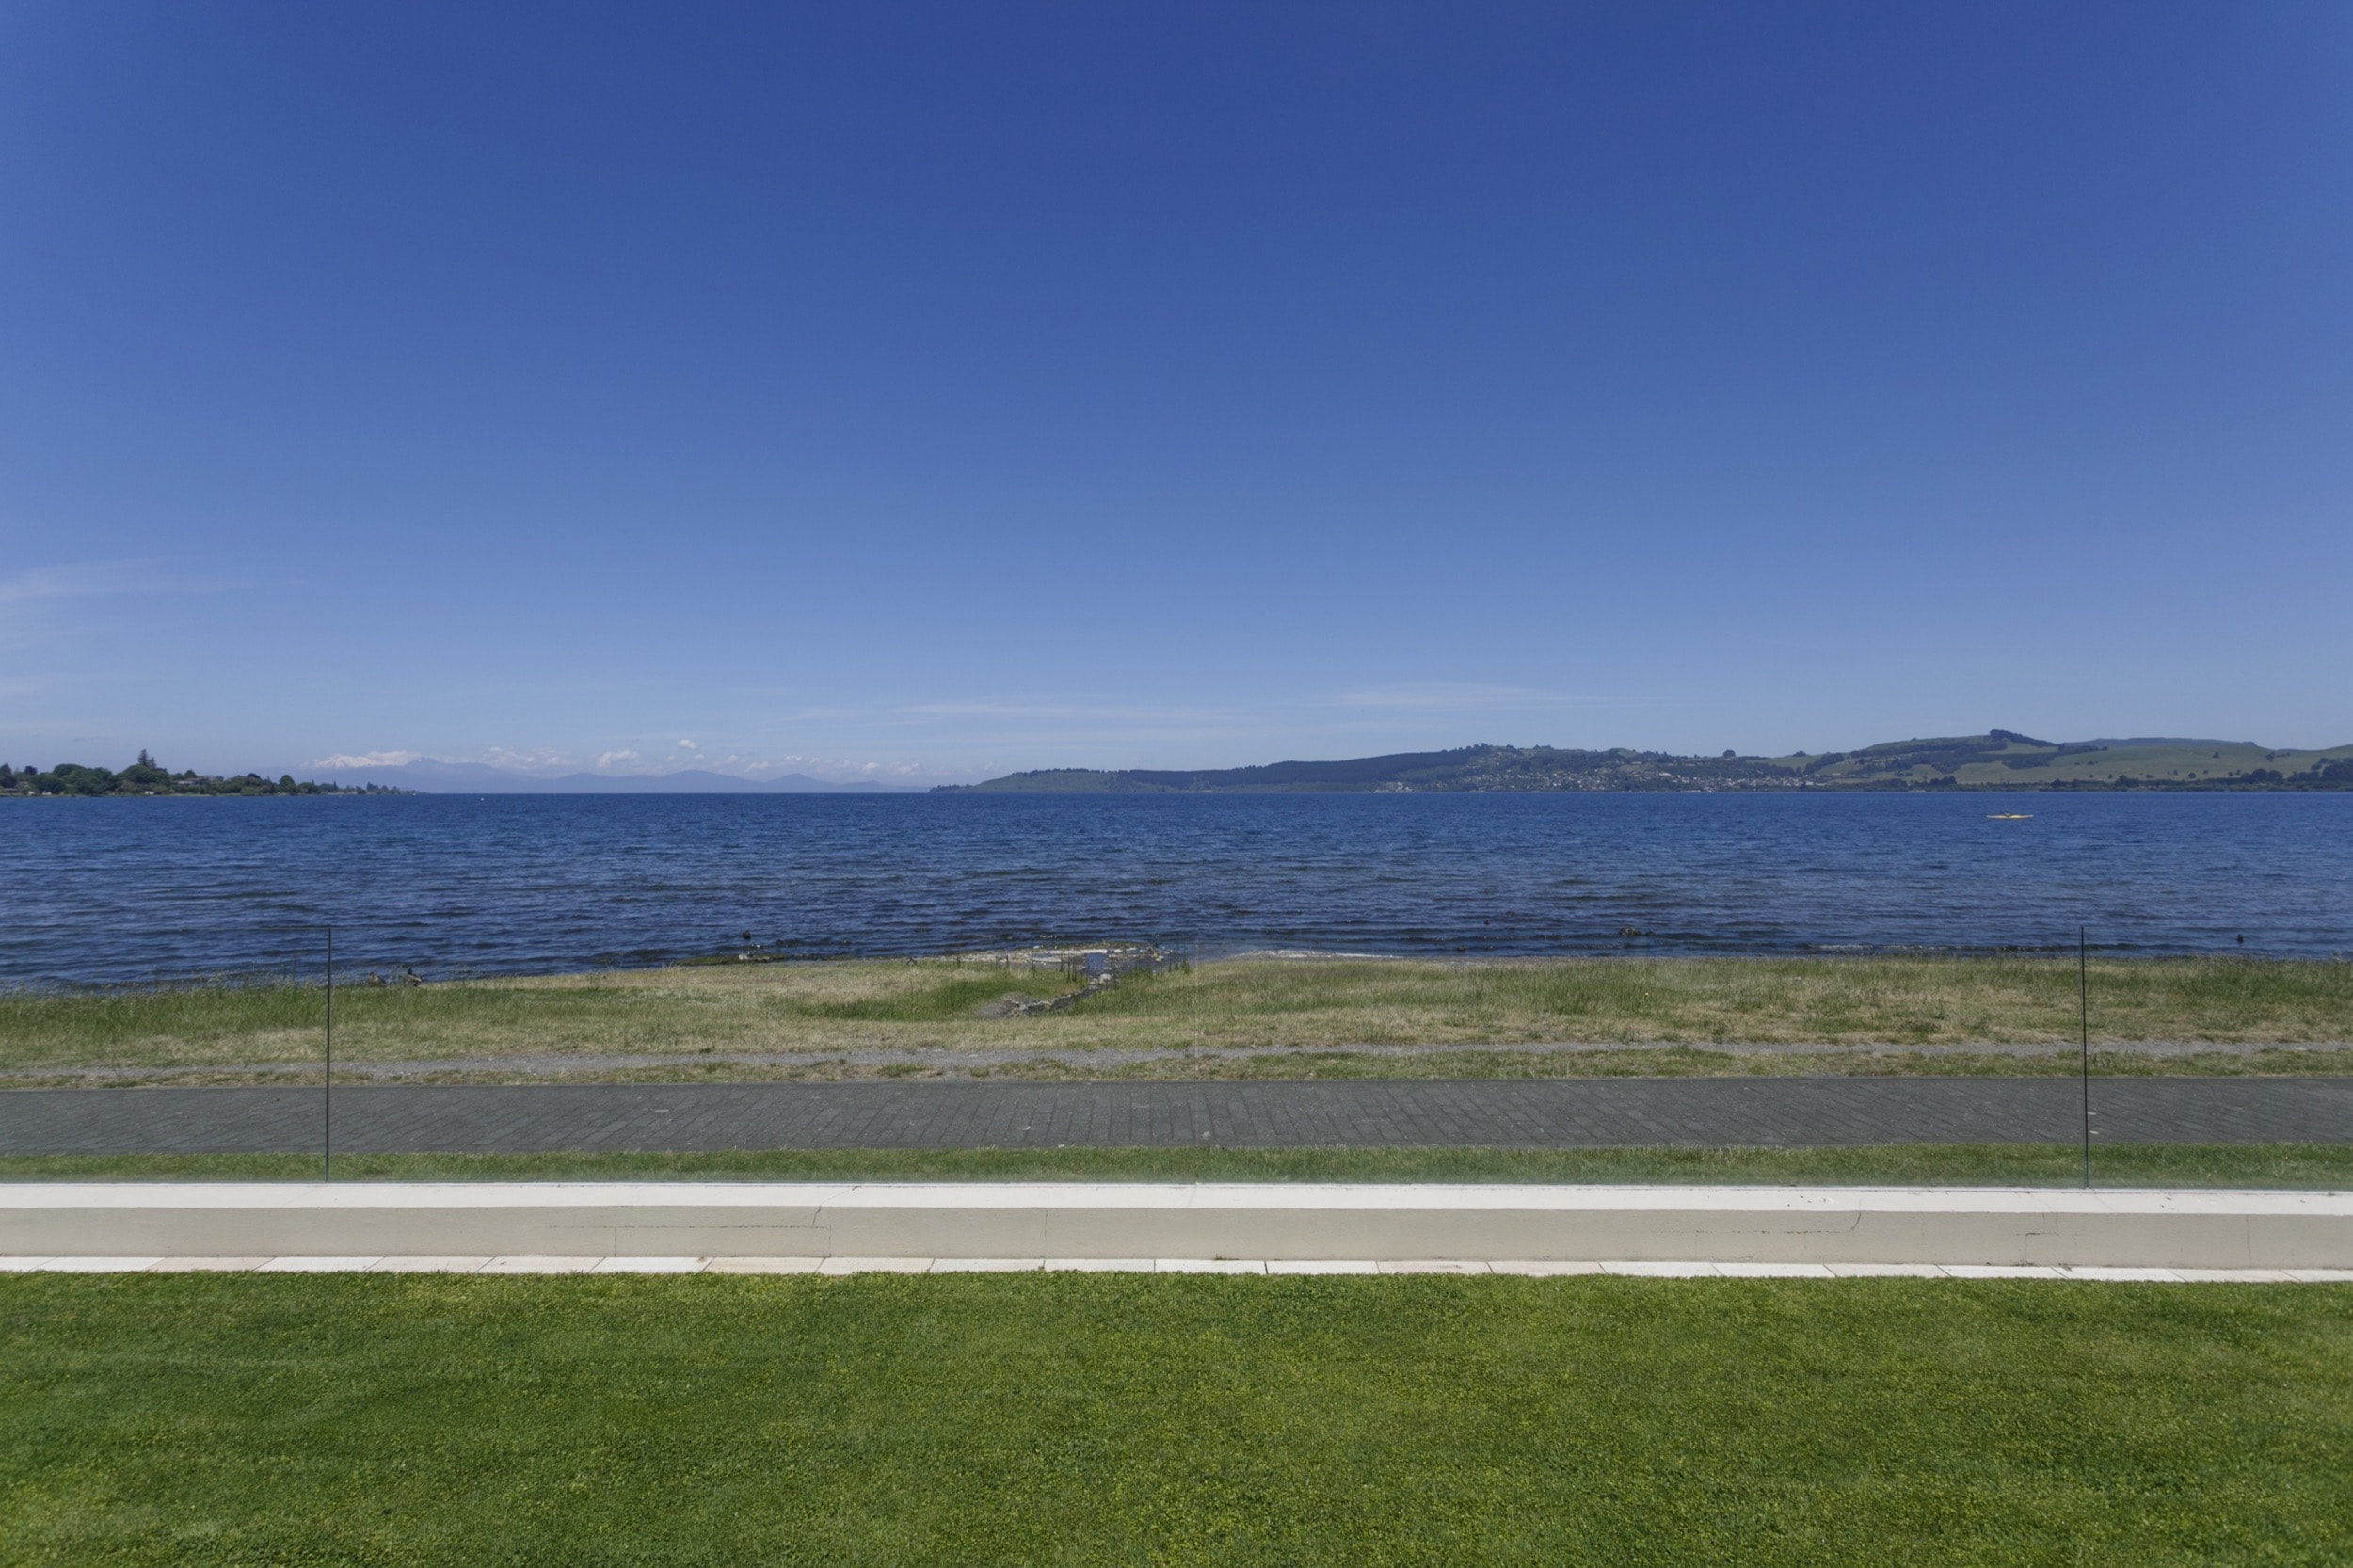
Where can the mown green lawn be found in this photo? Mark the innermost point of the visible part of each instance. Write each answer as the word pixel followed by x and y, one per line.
pixel 1130 1418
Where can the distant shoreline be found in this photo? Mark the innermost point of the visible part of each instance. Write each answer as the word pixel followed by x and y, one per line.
pixel 1999 760
pixel 1877 787
pixel 144 780
pixel 1896 787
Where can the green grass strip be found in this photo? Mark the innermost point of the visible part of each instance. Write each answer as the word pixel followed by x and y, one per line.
pixel 2297 1165
pixel 259 1419
pixel 689 1020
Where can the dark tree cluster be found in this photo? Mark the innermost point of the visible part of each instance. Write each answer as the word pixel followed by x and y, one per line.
pixel 145 776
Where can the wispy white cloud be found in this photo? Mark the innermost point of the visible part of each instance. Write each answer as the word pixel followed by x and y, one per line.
pixel 46 604
pixel 96 579
pixel 1013 710
pixel 1447 693
pixel 534 759
pixel 628 761
pixel 365 760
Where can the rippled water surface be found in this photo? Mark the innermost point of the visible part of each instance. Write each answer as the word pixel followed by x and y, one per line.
pixel 129 889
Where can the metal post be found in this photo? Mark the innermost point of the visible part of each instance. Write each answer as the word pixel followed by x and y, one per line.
pixel 2083 1020
pixel 327 1084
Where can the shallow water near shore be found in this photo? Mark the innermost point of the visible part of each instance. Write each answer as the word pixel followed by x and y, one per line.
pixel 136 890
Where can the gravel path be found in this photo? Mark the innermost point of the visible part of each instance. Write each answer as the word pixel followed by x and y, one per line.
pixel 1521 1113
pixel 960 1061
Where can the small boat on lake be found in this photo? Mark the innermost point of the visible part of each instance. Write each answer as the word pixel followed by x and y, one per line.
pixel 2010 816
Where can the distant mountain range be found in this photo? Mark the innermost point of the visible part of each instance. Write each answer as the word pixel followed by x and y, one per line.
pixel 1998 759
pixel 479 779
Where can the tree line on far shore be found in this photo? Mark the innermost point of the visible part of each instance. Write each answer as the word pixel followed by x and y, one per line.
pixel 147 777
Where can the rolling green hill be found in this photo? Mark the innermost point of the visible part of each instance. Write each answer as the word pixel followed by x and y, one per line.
pixel 1999 760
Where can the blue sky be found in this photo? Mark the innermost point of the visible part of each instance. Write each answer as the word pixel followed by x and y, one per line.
pixel 922 392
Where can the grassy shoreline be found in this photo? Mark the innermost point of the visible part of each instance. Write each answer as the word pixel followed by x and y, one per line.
pixel 1373 1017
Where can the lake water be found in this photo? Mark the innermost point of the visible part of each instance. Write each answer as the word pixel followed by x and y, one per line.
pixel 135 890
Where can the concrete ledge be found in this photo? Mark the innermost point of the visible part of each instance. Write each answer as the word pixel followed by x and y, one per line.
pixel 1298 1222
pixel 842 1267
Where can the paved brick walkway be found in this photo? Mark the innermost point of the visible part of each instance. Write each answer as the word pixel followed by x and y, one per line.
pixel 1522 1113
